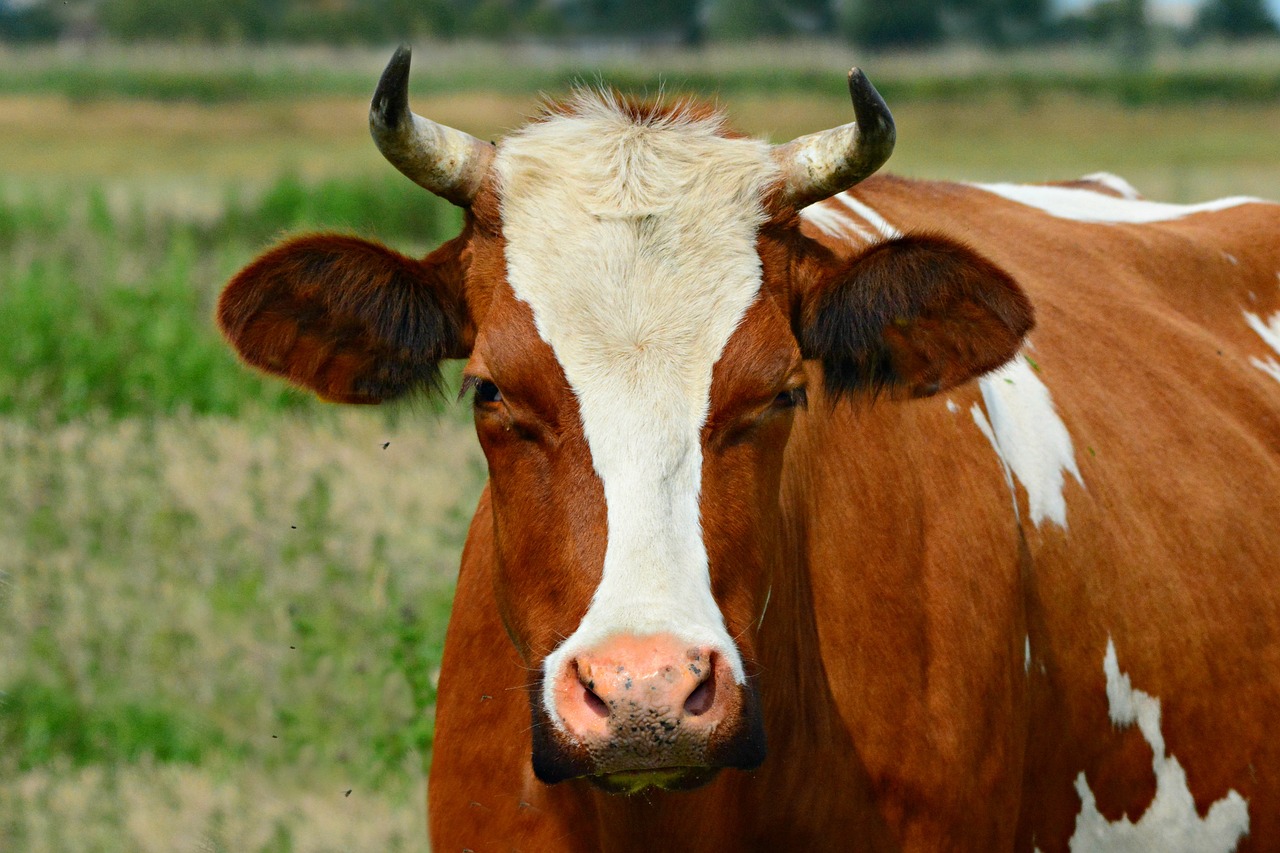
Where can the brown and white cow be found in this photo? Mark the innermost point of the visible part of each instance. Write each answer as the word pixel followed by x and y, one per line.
pixel 773 461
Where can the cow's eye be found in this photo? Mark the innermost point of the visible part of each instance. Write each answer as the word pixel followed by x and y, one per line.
pixel 485 391
pixel 791 398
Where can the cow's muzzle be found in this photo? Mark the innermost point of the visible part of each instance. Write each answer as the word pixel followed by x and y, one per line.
pixel 639 712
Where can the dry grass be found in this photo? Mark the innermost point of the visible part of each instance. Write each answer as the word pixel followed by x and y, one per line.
pixel 260 603
pixel 1174 152
pixel 150 808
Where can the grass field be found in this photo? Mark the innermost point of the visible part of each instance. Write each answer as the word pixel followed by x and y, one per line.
pixel 221 603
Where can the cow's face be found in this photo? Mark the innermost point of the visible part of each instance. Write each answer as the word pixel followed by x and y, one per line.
pixel 620 439
pixel 635 304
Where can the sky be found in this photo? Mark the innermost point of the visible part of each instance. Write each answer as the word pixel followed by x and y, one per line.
pixel 1273 5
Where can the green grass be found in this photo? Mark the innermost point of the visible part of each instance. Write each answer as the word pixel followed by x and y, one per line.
pixel 1152 87
pixel 259 600
pixel 209 582
pixel 1248 74
pixel 112 312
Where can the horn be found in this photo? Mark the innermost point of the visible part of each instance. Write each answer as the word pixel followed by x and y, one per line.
pixel 450 163
pixel 822 164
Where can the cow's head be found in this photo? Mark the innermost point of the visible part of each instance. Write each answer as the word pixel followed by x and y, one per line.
pixel 638 306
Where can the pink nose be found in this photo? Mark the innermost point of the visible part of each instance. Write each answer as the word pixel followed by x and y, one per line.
pixel 657 681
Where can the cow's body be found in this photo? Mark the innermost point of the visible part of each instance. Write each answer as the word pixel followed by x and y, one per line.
pixel 1035 608
pixel 934 659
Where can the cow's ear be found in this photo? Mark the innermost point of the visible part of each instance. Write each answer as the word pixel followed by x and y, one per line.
pixel 351 320
pixel 916 315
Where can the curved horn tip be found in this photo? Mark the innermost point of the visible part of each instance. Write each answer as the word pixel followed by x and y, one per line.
pixel 869 108
pixel 391 98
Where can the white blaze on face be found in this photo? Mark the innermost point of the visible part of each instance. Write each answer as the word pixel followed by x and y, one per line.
pixel 1171 823
pixel 635 247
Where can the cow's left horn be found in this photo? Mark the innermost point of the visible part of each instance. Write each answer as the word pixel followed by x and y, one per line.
pixel 822 164
pixel 450 163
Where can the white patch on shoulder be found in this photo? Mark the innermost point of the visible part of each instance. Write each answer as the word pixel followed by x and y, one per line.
pixel 1026 655
pixel 1088 206
pixel 835 223
pixel 635 246
pixel 1113 182
pixel 951 406
pixel 1270 332
pixel 1029 437
pixel 1170 824
pixel 984 427
pixel 874 219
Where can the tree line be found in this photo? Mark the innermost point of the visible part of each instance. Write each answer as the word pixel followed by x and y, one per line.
pixel 869 23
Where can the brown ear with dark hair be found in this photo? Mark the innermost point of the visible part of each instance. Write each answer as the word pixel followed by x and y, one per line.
pixel 349 319
pixel 915 315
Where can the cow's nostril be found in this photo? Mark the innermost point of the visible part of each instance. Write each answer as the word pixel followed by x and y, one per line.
pixel 594 702
pixel 703 696
pixel 590 698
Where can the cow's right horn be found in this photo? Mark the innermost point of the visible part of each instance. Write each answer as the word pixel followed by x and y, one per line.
pixel 822 164
pixel 450 163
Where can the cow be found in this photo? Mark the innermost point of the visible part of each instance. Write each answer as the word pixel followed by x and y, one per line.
pixel 918 516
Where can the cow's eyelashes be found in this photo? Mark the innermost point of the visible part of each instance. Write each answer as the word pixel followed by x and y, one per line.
pixel 485 392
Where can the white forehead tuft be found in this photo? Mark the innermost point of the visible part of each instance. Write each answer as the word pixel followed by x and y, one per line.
pixel 634 244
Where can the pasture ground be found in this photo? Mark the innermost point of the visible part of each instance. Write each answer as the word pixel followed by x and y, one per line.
pixel 222 604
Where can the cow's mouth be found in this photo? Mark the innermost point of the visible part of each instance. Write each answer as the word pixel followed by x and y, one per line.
pixel 666 778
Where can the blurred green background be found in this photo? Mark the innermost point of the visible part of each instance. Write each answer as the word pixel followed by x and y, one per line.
pixel 222 603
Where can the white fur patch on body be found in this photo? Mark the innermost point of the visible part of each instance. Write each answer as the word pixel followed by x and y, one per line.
pixel 1270 333
pixel 1029 438
pixel 837 222
pixel 1088 206
pixel 635 246
pixel 1170 824
pixel 874 219
pixel 1113 182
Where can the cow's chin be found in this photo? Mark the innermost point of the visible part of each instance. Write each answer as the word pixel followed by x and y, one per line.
pixel 664 778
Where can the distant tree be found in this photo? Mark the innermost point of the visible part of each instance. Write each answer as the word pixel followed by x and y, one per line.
pixel 1236 19
pixel 1135 34
pixel 227 20
pixel 810 17
pixel 1002 23
pixel 738 20
pixel 29 22
pixel 892 23
pixel 1119 24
